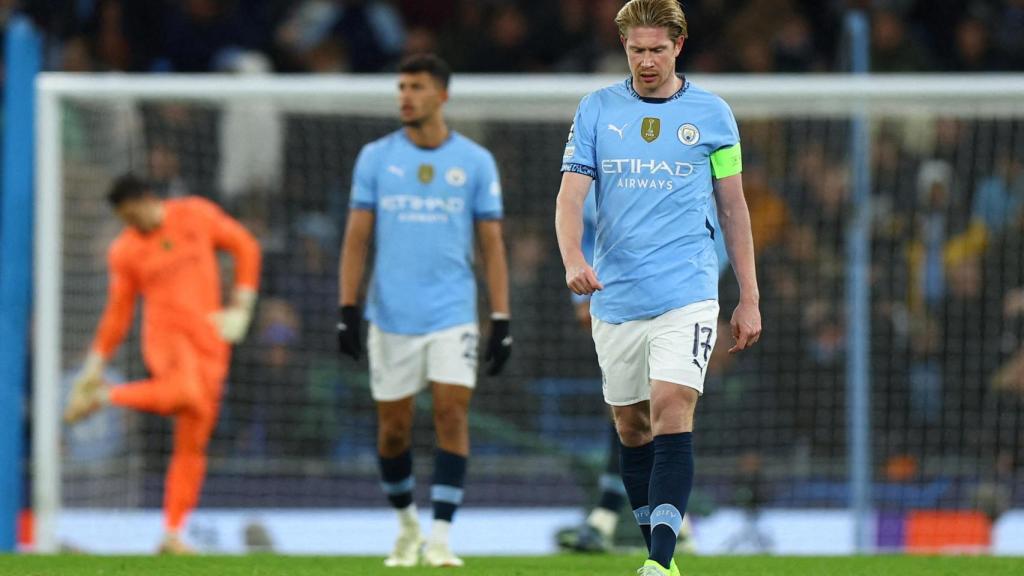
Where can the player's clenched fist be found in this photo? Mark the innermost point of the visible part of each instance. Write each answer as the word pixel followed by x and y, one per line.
pixel 349 343
pixel 581 279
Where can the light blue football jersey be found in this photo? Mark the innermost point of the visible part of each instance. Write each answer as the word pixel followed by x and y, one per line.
pixel 651 162
pixel 426 202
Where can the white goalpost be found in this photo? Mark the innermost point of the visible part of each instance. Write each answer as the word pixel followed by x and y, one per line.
pixel 296 426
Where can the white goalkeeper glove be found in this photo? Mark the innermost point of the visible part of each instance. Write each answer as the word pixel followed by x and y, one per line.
pixel 233 322
pixel 92 370
pixel 86 390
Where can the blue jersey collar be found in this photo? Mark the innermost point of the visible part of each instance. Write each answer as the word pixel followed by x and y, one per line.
pixel 678 94
pixel 448 140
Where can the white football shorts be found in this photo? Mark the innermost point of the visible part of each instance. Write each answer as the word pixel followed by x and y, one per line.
pixel 674 347
pixel 402 364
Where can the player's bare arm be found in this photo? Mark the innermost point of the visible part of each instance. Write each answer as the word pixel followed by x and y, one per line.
pixel 353 255
pixel 735 219
pixel 492 248
pixel 579 276
pixel 356 245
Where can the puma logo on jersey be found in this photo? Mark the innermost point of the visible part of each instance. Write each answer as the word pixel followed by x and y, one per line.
pixel 396 171
pixel 619 131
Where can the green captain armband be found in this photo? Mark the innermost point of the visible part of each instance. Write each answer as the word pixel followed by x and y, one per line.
pixel 727 162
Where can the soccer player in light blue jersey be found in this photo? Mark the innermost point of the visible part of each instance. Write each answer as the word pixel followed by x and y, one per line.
pixel 423 194
pixel 659 150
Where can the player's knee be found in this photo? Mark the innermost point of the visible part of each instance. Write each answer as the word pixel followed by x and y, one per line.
pixel 394 437
pixel 634 429
pixel 450 418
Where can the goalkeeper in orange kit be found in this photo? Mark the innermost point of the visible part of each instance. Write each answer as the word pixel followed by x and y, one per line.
pixel 168 255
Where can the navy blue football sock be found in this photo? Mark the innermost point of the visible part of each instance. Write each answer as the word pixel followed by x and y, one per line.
pixel 671 482
pixel 396 479
pixel 637 464
pixel 613 493
pixel 449 478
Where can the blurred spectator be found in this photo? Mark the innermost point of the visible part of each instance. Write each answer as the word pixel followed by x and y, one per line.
pixel 892 47
pixel 974 52
pixel 165 172
pixel 506 46
pixel 1009 33
pixel 769 215
pixel 342 35
pixel 999 200
pixel 934 181
pixel 198 33
pixel 331 36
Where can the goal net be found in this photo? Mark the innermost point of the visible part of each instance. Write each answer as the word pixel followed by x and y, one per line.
pixel 293 456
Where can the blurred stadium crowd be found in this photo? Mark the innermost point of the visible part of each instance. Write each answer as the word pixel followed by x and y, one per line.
pixel 513 35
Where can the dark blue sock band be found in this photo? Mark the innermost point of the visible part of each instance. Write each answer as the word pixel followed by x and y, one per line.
pixel 396 478
pixel 449 478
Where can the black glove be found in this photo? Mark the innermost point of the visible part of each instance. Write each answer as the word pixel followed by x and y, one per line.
pixel 349 322
pixel 499 346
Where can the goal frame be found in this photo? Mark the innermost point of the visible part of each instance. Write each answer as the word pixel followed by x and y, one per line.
pixel 480 96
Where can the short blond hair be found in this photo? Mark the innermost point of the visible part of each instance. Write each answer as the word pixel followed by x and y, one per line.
pixel 652 14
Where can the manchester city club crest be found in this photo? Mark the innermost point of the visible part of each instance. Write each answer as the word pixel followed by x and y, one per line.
pixel 455 176
pixel 688 134
pixel 426 173
pixel 650 129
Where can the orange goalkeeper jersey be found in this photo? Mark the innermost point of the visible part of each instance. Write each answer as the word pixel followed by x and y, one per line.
pixel 174 268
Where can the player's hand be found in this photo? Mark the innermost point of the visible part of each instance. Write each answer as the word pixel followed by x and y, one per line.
pixel 83 397
pixel 746 326
pixel 581 279
pixel 349 322
pixel 91 371
pixel 499 345
pixel 233 322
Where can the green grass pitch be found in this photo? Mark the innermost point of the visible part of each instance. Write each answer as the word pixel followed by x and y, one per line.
pixel 266 565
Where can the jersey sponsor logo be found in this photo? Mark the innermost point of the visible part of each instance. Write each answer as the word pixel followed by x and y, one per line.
pixel 570 151
pixel 620 131
pixel 647 172
pixel 455 176
pixel 650 129
pixel 428 209
pixel 396 171
pixel 688 134
pixel 646 167
pixel 495 188
pixel 426 173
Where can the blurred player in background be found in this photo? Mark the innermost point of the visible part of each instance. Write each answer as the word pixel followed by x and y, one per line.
pixel 658 148
pixel 597 532
pixel 423 193
pixel 168 255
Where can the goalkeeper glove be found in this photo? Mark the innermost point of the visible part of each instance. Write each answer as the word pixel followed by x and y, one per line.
pixel 87 389
pixel 349 323
pixel 233 322
pixel 499 345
